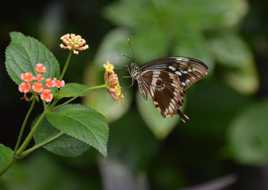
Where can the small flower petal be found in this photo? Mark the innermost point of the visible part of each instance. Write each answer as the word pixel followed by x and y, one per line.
pixel 27 77
pixel 25 87
pixel 37 87
pixel 46 95
pixel 40 68
pixel 108 67
pixel 59 83
pixel 39 77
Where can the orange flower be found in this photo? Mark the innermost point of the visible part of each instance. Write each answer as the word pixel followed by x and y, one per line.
pixel 50 83
pixel 39 77
pixel 40 68
pixel 112 82
pixel 46 95
pixel 73 42
pixel 37 87
pixel 39 84
pixel 25 87
pixel 26 77
pixel 59 83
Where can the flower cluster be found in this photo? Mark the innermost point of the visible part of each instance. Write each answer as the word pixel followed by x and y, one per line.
pixel 112 82
pixel 39 84
pixel 74 43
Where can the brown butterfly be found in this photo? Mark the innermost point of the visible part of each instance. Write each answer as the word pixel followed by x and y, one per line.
pixel 166 80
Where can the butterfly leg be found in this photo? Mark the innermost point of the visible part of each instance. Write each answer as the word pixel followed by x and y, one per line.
pixel 184 117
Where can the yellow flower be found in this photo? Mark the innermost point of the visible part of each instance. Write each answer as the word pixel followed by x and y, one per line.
pixel 73 42
pixel 108 67
pixel 112 82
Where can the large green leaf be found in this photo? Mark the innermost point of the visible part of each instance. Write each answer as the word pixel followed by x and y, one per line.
pixel 248 135
pixel 6 156
pixel 82 123
pixel 64 145
pixel 231 51
pixel 24 52
pixel 159 125
pixel 42 172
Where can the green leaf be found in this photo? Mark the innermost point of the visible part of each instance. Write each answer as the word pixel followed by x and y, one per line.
pixel 231 51
pixel 82 123
pixel 6 156
pixel 248 135
pixel 159 125
pixel 42 172
pixel 64 145
pixel 73 89
pixel 24 52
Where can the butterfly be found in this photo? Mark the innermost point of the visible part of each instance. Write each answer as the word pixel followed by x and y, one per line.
pixel 166 80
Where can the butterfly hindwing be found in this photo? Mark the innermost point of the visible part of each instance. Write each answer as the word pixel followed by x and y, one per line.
pixel 164 89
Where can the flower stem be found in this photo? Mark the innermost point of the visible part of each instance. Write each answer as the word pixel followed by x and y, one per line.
pixel 30 135
pixel 73 98
pixel 24 124
pixel 66 65
pixel 37 146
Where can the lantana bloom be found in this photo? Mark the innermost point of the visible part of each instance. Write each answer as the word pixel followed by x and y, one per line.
pixel 112 82
pixel 39 84
pixel 25 87
pixel 46 95
pixel 40 68
pixel 74 43
pixel 26 77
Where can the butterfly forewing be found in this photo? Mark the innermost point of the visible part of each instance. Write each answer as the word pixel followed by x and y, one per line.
pixel 189 70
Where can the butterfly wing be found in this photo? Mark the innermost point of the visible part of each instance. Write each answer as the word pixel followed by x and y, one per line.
pixel 189 70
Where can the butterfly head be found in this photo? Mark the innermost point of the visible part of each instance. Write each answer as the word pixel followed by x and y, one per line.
pixel 133 70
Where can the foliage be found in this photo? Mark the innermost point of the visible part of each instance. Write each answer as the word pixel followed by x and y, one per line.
pixel 72 127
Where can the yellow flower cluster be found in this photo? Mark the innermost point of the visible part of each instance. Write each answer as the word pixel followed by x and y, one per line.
pixel 112 82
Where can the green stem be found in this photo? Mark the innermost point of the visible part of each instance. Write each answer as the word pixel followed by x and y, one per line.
pixel 24 124
pixel 30 135
pixel 37 146
pixel 66 65
pixel 73 98
pixel 7 167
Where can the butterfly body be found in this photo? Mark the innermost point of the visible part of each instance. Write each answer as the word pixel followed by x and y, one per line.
pixel 166 80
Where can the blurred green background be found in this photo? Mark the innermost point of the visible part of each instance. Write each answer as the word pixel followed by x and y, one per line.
pixel 224 146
